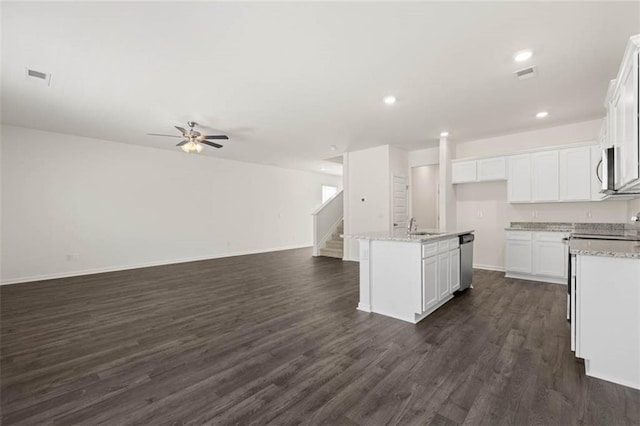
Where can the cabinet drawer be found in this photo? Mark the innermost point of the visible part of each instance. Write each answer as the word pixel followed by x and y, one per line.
pixel 519 235
pixel 429 250
pixel 443 246
pixel 550 236
pixel 454 243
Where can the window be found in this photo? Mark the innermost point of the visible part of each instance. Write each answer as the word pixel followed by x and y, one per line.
pixel 328 192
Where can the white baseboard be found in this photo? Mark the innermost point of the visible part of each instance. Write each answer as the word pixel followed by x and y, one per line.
pixel 488 267
pixel 538 278
pixel 364 307
pixel 142 265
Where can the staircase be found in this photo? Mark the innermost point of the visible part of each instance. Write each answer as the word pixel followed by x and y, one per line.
pixel 333 247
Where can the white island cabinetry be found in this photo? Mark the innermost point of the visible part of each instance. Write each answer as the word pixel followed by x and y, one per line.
pixel 408 278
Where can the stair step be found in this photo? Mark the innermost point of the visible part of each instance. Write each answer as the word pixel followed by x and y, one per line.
pixel 331 253
pixel 335 244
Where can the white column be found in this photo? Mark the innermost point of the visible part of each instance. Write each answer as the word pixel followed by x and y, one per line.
pixel 447 194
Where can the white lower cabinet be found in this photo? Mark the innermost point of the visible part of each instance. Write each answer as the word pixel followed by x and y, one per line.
pixel 538 256
pixel 518 252
pixel 443 275
pixel 440 272
pixel 550 255
pixel 454 270
pixel 429 280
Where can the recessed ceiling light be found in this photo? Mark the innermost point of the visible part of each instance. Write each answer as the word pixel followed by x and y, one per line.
pixel 323 169
pixel 523 55
pixel 333 147
pixel 542 114
pixel 444 134
pixel 389 100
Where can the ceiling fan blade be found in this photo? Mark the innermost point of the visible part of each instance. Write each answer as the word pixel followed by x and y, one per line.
pixel 183 142
pixel 216 137
pixel 183 131
pixel 213 144
pixel 160 134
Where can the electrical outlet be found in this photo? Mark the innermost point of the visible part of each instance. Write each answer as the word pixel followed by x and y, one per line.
pixel 480 214
pixel 534 214
pixel 588 214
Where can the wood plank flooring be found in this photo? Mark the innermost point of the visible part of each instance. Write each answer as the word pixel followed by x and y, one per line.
pixel 275 339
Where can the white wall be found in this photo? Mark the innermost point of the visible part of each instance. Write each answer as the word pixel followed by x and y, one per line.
pixel 484 207
pixel 119 205
pixel 424 195
pixel 368 180
pixel 424 157
pixel 366 192
pixel 552 136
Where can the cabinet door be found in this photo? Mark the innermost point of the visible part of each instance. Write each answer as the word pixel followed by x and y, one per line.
pixel 545 176
pixel 492 169
pixel 463 171
pixel 429 282
pixel 518 255
pixel 550 255
pixel 443 275
pixel 454 265
pixel 627 116
pixel 575 174
pixel 519 179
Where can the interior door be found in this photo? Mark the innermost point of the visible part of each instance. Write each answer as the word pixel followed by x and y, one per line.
pixel 400 203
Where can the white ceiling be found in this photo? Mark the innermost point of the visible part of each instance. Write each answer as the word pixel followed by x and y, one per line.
pixel 288 80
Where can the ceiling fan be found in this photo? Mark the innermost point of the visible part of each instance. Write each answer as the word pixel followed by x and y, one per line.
pixel 193 139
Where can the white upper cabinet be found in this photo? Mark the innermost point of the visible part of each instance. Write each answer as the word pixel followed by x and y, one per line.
pixel 463 171
pixel 622 119
pixel 576 174
pixel 490 169
pixel 519 179
pixel 545 176
pixel 628 122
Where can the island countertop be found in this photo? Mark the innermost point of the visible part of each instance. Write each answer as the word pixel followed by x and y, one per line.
pixel 403 236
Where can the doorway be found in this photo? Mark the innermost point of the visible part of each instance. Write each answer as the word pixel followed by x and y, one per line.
pixel 425 182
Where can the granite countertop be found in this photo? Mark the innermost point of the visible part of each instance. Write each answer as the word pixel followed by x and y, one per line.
pixel 610 248
pixel 539 229
pixel 401 235
pixel 573 227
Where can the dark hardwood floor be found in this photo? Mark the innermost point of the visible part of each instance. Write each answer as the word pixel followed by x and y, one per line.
pixel 275 338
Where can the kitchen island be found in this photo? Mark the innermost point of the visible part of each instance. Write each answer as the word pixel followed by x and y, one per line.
pixel 408 276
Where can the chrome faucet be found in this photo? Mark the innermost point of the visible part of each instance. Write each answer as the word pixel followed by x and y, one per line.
pixel 413 226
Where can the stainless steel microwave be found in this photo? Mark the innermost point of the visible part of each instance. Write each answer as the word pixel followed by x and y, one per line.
pixel 608 171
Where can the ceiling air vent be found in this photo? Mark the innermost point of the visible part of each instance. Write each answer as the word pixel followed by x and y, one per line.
pixel 526 73
pixel 38 76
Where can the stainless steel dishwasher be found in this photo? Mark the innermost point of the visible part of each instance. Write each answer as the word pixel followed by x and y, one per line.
pixel 466 260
